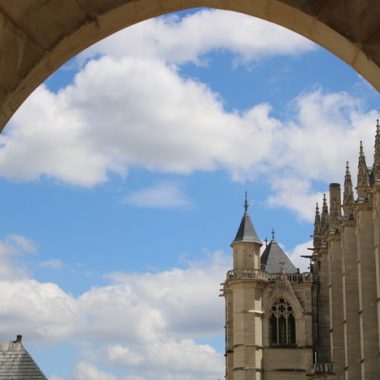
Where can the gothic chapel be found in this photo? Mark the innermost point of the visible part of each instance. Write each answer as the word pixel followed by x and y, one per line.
pixel 322 324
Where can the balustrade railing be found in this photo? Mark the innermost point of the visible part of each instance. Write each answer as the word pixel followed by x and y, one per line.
pixel 262 275
pixel 321 368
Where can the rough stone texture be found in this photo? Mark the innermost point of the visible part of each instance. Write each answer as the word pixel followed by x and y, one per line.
pixel 367 294
pixel 376 221
pixel 323 344
pixel 250 294
pixel 350 301
pixel 337 353
pixel 37 37
pixel 336 306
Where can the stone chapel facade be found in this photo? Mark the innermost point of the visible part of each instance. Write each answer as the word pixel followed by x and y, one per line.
pixel 321 324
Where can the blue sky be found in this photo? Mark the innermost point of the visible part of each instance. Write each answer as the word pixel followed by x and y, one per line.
pixel 123 178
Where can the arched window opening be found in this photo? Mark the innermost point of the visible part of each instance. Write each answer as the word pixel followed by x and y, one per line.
pixel 282 324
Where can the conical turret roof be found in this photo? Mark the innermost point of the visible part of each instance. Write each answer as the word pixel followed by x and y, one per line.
pixel 16 362
pixel 246 232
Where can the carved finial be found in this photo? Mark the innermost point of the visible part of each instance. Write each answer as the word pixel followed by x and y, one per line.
pixel 324 216
pixel 246 204
pixel 266 240
pixel 324 204
pixel 348 193
pixel 317 227
pixel 363 178
pixel 335 205
pixel 376 159
pixel 273 233
pixel 317 220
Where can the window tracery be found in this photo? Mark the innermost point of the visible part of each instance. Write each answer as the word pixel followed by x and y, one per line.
pixel 282 324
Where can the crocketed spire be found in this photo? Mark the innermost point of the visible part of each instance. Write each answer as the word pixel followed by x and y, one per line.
pixel 376 160
pixel 324 216
pixel 335 204
pixel 317 227
pixel 348 193
pixel 363 178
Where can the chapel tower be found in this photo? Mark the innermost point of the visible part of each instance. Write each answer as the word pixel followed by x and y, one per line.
pixel 268 311
pixel 243 293
pixel 321 324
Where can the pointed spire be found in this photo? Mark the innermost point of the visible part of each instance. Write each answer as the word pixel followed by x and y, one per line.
pixel 317 218
pixel 376 160
pixel 348 193
pixel 324 216
pixel 363 178
pixel 317 227
pixel 246 232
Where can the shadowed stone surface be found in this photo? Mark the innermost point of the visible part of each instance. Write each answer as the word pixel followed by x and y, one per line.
pixel 37 37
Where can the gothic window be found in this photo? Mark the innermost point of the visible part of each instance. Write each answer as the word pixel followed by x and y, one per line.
pixel 282 324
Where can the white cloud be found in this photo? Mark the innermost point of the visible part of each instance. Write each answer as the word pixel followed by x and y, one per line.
pixel 295 194
pixel 97 126
pixel 127 322
pixel 186 298
pixel 76 141
pixel 133 110
pixel 298 251
pixel 10 247
pixel 52 264
pixel 315 144
pixel 40 311
pixel 165 359
pixel 176 40
pixel 87 371
pixel 163 195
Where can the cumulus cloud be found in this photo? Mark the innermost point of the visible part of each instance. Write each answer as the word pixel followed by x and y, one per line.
pixel 96 126
pixel 87 371
pixel 296 194
pixel 175 40
pixel 163 195
pixel 296 254
pixel 41 311
pixel 130 109
pixel 143 321
pixel 11 247
pixel 166 359
pixel 185 297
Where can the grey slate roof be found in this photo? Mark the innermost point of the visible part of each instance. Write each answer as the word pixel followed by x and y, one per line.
pixel 17 364
pixel 246 231
pixel 271 258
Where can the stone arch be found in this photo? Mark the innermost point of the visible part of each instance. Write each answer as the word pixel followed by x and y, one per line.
pixel 38 37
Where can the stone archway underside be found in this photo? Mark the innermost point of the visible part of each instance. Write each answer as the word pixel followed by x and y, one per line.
pixel 38 36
